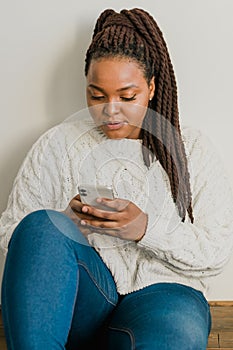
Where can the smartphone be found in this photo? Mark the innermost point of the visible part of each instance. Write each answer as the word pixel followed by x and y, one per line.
pixel 89 194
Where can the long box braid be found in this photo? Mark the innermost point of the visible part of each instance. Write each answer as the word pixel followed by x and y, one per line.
pixel 135 34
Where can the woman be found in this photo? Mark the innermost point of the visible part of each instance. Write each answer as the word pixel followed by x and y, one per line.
pixel 134 274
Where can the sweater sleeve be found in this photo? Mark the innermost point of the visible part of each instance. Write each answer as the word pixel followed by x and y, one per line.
pixel 36 186
pixel 204 247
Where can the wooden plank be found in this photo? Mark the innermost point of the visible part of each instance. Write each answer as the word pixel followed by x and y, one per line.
pixel 226 339
pixel 221 303
pixel 222 324
pixel 213 341
pixel 222 318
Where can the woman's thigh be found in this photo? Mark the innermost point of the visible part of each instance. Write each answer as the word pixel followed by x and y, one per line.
pixel 162 316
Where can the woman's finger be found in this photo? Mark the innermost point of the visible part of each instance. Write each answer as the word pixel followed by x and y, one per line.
pixel 116 204
pixel 76 205
pixel 95 223
pixel 100 213
pixel 77 197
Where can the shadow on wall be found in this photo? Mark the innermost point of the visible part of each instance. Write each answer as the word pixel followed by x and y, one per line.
pixel 66 90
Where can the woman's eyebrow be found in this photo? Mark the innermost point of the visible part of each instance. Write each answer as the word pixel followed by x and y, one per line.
pixel 95 87
pixel 128 87
pixel 118 90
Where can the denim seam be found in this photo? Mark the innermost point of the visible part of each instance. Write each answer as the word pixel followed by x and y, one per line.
pixel 129 332
pixel 95 283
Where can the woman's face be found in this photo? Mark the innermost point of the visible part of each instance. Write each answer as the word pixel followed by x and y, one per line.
pixel 117 96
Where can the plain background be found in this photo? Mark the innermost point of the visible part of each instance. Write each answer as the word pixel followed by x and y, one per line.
pixel 43 46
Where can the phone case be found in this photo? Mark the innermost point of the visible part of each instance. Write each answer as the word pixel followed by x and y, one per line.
pixel 89 194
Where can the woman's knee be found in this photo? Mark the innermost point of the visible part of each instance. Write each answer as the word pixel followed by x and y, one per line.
pixel 43 237
pixel 46 224
pixel 160 318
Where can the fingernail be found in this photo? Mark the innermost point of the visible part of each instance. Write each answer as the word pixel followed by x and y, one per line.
pixel 99 200
pixel 83 222
pixel 84 209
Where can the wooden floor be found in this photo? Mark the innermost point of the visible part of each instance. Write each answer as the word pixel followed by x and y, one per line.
pixel 221 336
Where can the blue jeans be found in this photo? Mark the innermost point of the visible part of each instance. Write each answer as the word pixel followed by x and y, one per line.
pixel 58 294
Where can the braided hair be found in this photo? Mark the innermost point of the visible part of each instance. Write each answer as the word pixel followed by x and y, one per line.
pixel 135 34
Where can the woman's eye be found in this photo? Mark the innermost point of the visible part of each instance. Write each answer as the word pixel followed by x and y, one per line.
pixel 129 98
pixel 98 98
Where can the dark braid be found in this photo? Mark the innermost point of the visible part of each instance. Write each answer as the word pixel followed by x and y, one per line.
pixel 135 34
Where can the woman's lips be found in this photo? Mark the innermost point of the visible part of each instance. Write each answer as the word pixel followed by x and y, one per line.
pixel 114 125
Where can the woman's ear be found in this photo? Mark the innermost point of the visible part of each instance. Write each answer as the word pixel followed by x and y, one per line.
pixel 151 88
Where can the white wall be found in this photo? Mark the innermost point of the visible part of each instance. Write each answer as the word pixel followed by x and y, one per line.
pixel 41 68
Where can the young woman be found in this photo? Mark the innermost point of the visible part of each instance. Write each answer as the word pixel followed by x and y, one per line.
pixel 133 274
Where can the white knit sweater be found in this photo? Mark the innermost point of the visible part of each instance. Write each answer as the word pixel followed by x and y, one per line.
pixel 171 251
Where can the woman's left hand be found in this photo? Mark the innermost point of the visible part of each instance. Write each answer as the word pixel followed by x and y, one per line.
pixel 125 220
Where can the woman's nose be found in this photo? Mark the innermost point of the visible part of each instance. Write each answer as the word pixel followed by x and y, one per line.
pixel 111 108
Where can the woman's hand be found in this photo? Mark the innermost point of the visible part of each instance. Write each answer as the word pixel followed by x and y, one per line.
pixel 74 212
pixel 125 221
pixel 123 218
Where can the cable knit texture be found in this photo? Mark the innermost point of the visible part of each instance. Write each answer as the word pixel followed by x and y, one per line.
pixel 76 152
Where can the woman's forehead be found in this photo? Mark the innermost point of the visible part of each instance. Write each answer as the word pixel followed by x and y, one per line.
pixel 120 70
